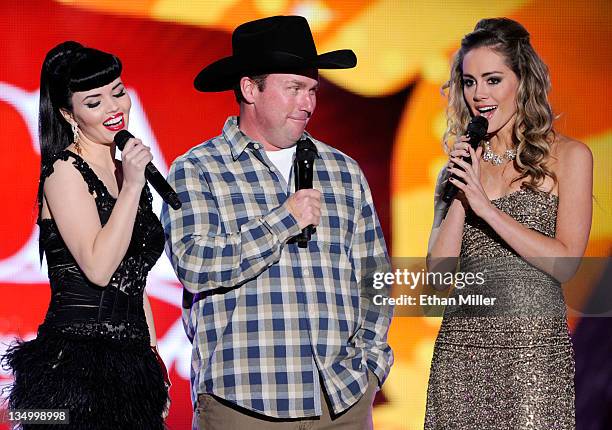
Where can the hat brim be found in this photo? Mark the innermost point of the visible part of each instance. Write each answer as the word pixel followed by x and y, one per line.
pixel 223 74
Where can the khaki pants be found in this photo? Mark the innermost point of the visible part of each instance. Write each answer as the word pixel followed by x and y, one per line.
pixel 213 413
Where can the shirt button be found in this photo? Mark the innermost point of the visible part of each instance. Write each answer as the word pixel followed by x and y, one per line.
pixel 272 169
pixel 256 146
pixel 306 272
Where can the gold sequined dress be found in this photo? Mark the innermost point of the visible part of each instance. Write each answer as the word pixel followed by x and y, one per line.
pixel 508 366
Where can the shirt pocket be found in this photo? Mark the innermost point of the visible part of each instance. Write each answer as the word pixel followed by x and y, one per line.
pixel 339 211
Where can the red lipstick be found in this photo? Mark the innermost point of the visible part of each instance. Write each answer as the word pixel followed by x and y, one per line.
pixel 115 122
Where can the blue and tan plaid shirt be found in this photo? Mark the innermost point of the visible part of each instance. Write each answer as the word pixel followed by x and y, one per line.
pixel 269 320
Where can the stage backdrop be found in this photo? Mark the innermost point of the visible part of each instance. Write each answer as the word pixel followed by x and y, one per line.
pixel 388 113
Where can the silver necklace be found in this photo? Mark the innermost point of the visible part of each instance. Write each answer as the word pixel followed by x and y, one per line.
pixel 496 159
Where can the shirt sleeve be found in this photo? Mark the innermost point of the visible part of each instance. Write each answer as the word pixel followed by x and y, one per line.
pixel 203 258
pixel 370 256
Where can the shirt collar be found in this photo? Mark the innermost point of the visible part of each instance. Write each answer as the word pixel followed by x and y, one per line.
pixel 238 141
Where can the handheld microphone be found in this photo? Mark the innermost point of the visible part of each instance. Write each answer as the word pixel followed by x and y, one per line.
pixel 152 174
pixel 305 154
pixel 476 131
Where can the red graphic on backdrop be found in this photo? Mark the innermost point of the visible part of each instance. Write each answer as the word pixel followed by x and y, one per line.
pixel 160 61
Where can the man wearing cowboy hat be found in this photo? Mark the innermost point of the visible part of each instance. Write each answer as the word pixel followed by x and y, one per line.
pixel 285 334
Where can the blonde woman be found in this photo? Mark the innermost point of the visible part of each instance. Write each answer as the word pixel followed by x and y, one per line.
pixel 522 219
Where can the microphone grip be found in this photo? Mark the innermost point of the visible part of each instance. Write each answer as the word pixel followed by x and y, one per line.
pixel 160 185
pixel 303 238
pixel 303 178
pixel 307 232
pixel 449 193
pixel 151 173
pixel 451 190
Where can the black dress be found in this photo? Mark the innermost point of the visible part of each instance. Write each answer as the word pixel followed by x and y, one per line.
pixel 92 354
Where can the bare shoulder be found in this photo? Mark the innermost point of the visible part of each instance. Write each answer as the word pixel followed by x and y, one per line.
pixel 65 178
pixel 571 152
pixel 64 168
pixel 573 165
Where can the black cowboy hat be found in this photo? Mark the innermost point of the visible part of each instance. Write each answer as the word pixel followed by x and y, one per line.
pixel 270 45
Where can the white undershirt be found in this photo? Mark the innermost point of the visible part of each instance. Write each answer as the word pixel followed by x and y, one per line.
pixel 283 160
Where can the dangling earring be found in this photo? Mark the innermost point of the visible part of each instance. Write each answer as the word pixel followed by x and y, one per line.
pixel 75 137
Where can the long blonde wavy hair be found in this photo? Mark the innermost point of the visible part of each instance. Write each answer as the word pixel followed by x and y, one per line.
pixel 533 132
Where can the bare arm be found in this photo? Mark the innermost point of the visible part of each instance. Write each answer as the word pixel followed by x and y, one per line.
pixel 150 321
pixel 558 256
pixel 97 250
pixel 153 342
pixel 445 238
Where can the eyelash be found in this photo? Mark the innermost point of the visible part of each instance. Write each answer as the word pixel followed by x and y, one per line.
pixel 491 81
pixel 96 104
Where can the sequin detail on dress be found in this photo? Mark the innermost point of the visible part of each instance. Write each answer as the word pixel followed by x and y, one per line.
pixel 91 354
pixel 510 367
pixel 74 299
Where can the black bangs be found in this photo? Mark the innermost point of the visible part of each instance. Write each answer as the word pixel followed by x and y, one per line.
pixel 91 69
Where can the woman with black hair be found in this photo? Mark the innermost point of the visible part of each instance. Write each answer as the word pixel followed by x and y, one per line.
pixel 94 354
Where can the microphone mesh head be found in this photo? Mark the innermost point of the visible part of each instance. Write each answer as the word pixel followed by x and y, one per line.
pixel 306 150
pixel 121 138
pixel 477 127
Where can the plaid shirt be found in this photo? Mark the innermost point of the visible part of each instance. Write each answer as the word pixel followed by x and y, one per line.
pixel 269 320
